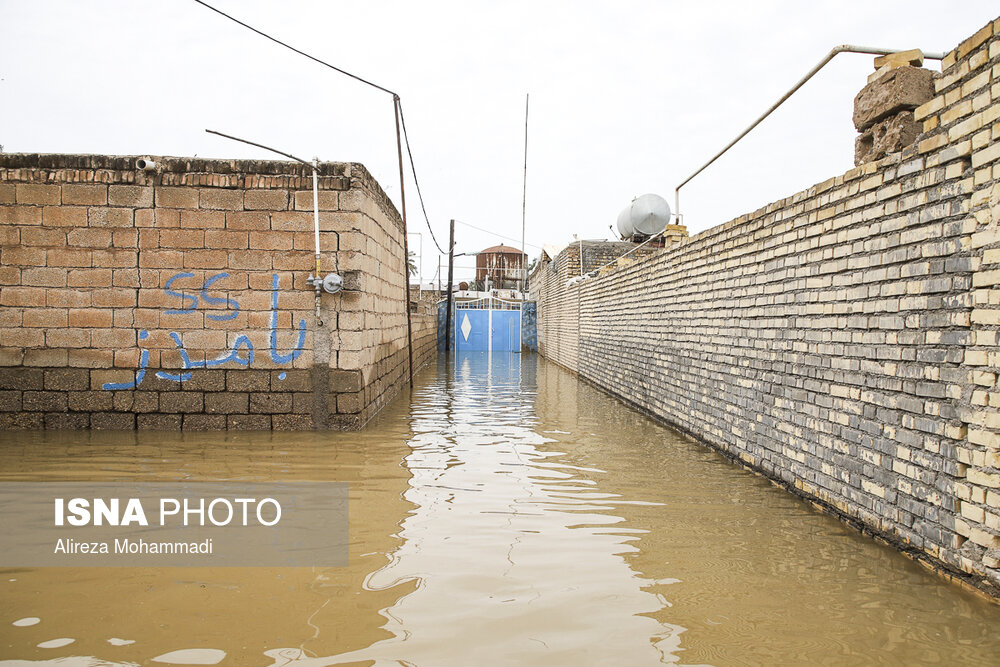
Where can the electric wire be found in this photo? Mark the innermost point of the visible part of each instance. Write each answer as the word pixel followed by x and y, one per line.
pixel 413 169
pixel 292 48
pixel 395 97
pixel 506 238
pixel 268 148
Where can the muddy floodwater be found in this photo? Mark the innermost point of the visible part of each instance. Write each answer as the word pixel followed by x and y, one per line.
pixel 504 513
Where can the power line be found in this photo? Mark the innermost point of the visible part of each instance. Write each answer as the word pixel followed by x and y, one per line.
pixel 289 46
pixel 267 148
pixel 413 168
pixel 396 99
pixel 507 238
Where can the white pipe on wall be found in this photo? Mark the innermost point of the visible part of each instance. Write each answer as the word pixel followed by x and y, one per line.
pixel 319 320
pixel 316 208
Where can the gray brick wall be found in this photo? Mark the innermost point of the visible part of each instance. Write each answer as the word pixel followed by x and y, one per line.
pixel 843 341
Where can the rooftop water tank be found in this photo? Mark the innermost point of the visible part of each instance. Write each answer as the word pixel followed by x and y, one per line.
pixel 646 215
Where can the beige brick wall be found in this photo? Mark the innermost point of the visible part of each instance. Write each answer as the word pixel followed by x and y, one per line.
pixel 425 326
pixel 970 118
pixel 105 269
pixel 559 307
pixel 843 341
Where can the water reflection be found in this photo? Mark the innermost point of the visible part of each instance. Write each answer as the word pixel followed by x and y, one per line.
pixel 516 554
pixel 242 611
pixel 506 514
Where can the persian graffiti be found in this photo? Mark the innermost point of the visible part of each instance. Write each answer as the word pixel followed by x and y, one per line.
pixel 190 301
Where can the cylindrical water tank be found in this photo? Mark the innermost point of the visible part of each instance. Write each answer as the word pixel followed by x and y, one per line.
pixel 646 215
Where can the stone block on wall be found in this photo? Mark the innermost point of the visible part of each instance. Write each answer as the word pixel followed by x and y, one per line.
pixel 889 135
pixel 899 89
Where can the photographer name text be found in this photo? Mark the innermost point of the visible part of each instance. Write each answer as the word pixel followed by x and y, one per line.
pixel 126 546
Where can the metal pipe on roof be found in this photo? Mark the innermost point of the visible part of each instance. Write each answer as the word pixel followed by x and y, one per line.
pixel 843 48
pixel 318 281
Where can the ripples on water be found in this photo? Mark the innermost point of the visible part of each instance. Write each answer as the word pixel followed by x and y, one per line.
pixel 505 514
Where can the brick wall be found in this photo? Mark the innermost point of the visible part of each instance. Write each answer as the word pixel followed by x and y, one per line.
pixel 599 253
pixel 967 112
pixel 425 325
pixel 843 341
pixel 558 309
pixel 548 284
pixel 177 298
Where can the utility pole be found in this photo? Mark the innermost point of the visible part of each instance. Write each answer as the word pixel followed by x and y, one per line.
pixel 451 275
pixel 524 200
pixel 406 246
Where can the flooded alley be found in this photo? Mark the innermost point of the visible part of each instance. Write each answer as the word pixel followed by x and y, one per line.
pixel 504 513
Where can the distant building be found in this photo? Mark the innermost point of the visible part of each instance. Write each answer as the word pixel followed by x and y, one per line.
pixel 501 266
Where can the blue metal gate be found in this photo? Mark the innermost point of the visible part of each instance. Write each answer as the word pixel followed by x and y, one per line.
pixel 506 330
pixel 472 330
pixel 488 324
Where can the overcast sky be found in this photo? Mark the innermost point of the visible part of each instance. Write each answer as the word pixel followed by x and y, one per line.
pixel 626 97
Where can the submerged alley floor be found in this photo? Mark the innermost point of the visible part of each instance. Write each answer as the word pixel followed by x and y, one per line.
pixel 504 513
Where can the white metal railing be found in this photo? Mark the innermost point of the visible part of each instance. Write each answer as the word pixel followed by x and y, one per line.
pixel 488 303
